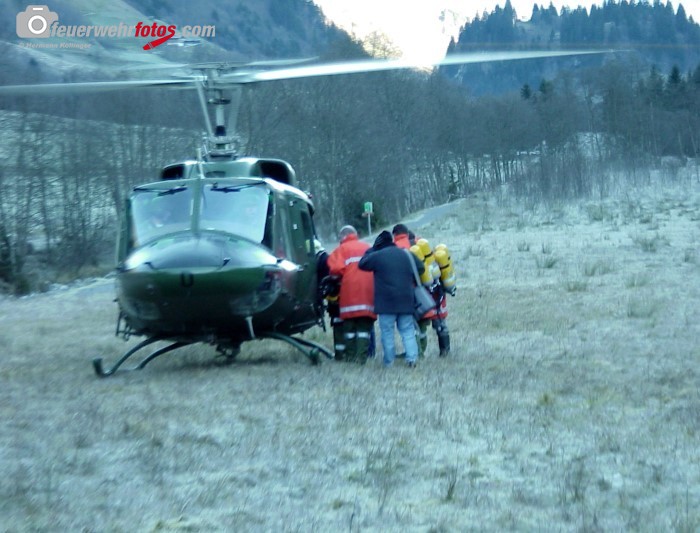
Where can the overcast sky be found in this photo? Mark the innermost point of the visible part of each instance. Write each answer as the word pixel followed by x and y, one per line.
pixel 416 25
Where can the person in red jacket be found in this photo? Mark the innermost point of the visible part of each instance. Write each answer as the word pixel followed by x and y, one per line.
pixel 401 236
pixel 356 298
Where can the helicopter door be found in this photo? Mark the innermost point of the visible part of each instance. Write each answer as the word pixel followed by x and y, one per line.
pixel 304 253
pixel 302 234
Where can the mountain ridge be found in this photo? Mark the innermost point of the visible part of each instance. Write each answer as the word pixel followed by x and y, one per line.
pixel 658 35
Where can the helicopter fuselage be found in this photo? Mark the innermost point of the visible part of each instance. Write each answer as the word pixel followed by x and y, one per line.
pixel 217 259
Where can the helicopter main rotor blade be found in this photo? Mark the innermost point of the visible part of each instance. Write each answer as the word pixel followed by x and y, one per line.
pixel 252 73
pixel 187 81
pixel 375 65
pixel 225 65
pixel 97 86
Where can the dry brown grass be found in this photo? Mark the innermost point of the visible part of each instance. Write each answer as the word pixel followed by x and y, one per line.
pixel 571 401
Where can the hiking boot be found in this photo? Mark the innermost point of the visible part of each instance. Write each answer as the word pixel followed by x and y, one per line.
pixel 444 345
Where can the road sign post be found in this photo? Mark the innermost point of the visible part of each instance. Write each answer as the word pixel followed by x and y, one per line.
pixel 368 211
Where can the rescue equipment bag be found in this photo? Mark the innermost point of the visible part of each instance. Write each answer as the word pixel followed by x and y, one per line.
pixel 423 301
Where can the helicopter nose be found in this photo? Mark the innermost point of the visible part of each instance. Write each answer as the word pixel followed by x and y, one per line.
pixel 211 280
pixel 199 253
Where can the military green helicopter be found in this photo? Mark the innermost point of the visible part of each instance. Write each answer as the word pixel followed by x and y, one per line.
pixel 222 248
pixel 219 252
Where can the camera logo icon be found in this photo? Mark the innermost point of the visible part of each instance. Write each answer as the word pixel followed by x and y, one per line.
pixel 35 21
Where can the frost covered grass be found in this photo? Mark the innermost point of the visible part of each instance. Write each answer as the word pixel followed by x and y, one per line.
pixel 570 402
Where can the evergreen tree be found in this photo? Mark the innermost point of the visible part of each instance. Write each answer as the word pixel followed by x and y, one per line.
pixel 681 19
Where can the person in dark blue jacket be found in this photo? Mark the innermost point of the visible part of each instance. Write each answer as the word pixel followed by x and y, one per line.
pixel 393 294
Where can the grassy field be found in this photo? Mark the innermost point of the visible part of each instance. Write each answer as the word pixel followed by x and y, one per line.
pixel 570 403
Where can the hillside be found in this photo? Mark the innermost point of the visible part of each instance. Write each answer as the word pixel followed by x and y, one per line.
pixel 570 402
pixel 255 30
pixel 244 31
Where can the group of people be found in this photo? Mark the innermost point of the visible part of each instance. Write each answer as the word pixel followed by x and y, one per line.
pixel 367 283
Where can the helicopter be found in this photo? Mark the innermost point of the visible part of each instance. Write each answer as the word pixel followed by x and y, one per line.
pixel 222 248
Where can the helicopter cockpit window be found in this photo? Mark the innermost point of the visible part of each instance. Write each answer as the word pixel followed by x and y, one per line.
pixel 238 209
pixel 157 212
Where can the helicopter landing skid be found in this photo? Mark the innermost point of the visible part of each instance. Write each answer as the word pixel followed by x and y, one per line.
pixel 97 362
pixel 310 349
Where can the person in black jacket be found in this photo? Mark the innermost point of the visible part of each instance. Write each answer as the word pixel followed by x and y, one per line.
pixel 393 295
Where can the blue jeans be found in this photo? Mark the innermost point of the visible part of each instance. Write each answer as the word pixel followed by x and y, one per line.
pixel 406 326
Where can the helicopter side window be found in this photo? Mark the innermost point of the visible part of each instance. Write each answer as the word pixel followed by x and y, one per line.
pixel 309 236
pixel 269 225
pixel 241 210
pixel 284 247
